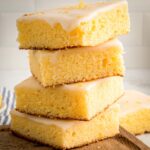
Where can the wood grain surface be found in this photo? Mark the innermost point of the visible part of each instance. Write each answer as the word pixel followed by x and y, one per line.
pixel 124 141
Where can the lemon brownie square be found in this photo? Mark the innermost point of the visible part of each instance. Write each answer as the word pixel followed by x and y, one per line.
pixel 65 134
pixel 86 25
pixel 59 67
pixel 135 112
pixel 80 101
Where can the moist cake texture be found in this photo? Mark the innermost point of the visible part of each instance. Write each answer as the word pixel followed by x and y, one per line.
pixel 66 133
pixel 135 112
pixel 77 64
pixel 77 101
pixel 83 25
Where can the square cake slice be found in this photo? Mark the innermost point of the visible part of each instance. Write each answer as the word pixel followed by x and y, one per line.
pixel 135 112
pixel 66 134
pixel 80 101
pixel 73 26
pixel 77 64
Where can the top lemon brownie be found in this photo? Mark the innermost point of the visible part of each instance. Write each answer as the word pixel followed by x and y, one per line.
pixel 80 25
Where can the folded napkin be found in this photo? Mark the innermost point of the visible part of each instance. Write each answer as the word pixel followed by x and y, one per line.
pixel 9 100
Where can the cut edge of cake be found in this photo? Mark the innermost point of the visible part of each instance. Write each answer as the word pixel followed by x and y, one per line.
pixel 51 68
pixel 100 18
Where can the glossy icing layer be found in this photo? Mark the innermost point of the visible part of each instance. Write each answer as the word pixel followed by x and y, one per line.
pixel 133 101
pixel 71 17
pixel 64 124
pixel 32 83
pixel 54 54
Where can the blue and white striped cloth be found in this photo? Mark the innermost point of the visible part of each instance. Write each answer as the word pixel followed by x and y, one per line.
pixel 9 100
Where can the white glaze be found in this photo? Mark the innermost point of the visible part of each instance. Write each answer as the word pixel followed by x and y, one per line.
pixel 81 86
pixel 133 101
pixel 54 54
pixel 64 124
pixel 71 17
pixel 85 86
pixel 114 42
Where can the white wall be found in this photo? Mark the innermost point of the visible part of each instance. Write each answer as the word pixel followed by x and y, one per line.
pixel 137 43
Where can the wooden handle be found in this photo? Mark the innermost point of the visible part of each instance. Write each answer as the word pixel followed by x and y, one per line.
pixel 133 139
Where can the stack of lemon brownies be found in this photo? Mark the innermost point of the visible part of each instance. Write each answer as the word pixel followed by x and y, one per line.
pixel 77 66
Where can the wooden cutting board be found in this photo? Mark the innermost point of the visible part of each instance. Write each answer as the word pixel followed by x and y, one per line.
pixel 124 141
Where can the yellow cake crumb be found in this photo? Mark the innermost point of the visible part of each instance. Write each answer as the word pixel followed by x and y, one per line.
pixel 66 134
pixel 77 101
pixel 59 67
